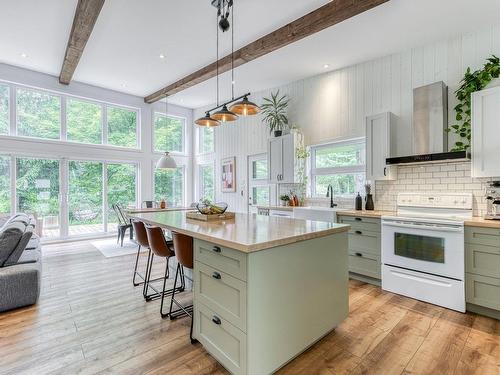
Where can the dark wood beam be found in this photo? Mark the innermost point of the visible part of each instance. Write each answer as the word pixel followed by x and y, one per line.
pixel 318 20
pixel 85 18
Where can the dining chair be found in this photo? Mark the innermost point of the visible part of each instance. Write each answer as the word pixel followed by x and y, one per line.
pixel 150 204
pixel 123 224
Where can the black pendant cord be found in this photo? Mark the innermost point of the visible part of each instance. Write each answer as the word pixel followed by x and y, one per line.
pixel 232 51
pixel 217 55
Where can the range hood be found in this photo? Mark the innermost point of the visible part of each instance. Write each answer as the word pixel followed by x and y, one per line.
pixel 430 120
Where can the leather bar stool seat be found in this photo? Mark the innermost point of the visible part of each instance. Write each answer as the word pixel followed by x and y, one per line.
pixel 183 247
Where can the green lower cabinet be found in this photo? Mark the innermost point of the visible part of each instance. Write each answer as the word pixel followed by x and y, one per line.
pixel 482 267
pixel 364 247
pixel 482 291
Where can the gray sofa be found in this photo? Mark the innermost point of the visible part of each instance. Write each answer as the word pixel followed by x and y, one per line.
pixel 20 262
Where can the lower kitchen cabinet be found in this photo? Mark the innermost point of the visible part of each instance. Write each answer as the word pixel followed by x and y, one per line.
pixel 482 266
pixel 364 247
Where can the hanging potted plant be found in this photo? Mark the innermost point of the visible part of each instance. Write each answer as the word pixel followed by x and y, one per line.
pixel 274 111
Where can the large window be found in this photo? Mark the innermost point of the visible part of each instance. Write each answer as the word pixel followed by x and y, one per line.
pixel 38 114
pixel 83 121
pixel 121 184
pixel 4 109
pixel 207 181
pixel 37 190
pixel 169 133
pixel 340 164
pixel 206 140
pixel 169 185
pixel 5 197
pixel 122 127
pixel 259 189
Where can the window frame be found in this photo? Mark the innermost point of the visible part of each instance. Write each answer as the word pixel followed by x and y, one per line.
pixel 257 182
pixel 184 181
pixel 200 138
pixel 329 171
pixel 62 113
pixel 63 138
pixel 200 178
pixel 9 108
pixel 184 133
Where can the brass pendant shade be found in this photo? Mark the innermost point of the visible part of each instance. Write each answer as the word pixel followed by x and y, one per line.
pixel 207 121
pixel 245 108
pixel 225 115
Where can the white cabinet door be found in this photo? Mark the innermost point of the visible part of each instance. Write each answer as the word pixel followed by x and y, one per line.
pixel 485 150
pixel 275 163
pixel 378 147
pixel 288 159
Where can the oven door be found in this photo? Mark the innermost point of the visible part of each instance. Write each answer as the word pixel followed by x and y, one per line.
pixel 434 248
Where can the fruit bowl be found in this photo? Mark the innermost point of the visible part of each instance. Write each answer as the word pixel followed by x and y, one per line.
pixel 207 208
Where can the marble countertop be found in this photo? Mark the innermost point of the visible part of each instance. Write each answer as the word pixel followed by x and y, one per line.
pixel 246 232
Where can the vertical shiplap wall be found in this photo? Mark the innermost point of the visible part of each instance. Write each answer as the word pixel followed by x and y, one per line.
pixel 334 105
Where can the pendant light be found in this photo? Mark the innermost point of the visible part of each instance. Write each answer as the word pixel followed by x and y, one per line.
pixel 225 115
pixel 166 162
pixel 207 121
pixel 245 107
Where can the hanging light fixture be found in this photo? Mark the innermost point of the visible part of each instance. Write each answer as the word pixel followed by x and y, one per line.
pixel 207 121
pixel 166 162
pixel 244 107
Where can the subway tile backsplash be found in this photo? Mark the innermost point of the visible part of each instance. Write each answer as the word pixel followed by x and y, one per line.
pixel 443 177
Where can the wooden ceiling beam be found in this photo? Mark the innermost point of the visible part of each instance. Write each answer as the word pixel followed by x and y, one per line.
pixel 85 18
pixel 313 22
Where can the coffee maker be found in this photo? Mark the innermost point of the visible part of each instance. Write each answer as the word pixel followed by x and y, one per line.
pixel 493 201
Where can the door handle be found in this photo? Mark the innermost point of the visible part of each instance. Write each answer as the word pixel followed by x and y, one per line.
pixel 216 320
pixel 216 249
pixel 216 275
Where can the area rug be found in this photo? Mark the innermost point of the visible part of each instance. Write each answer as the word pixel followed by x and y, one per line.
pixel 109 248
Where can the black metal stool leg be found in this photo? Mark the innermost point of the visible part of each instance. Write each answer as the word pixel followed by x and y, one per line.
pixel 136 263
pixel 146 279
pixel 164 315
pixel 173 292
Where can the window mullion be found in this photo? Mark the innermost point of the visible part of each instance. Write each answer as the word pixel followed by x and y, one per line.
pixel 64 126
pixel 13 110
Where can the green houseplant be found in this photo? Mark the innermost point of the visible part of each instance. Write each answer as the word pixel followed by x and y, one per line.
pixel 472 81
pixel 274 111
pixel 284 199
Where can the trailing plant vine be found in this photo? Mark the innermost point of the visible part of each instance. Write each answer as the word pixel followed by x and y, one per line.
pixel 472 81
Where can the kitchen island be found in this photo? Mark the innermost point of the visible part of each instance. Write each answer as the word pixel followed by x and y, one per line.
pixel 265 288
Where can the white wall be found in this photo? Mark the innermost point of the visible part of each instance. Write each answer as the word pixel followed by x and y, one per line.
pixel 334 105
pixel 145 156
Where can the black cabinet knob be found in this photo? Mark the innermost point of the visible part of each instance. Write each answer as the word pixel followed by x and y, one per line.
pixel 216 275
pixel 216 320
pixel 358 254
pixel 216 249
pixel 358 219
pixel 358 232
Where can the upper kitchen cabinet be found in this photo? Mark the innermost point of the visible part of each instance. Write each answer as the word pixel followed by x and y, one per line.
pixel 485 152
pixel 281 160
pixel 379 147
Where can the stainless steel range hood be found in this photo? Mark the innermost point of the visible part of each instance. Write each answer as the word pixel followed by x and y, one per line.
pixel 430 120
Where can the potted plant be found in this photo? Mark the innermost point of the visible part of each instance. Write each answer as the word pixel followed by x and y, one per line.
pixel 274 111
pixel 284 199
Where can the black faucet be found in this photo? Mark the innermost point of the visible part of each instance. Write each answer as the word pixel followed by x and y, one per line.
pixel 329 193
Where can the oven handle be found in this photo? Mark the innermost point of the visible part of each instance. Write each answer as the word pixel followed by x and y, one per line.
pixel 440 228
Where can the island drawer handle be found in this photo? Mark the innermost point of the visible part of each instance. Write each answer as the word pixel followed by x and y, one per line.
pixel 216 249
pixel 358 232
pixel 358 219
pixel 216 320
pixel 358 254
pixel 216 275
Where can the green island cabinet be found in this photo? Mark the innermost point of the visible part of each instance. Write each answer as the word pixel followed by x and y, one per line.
pixel 482 267
pixel 364 244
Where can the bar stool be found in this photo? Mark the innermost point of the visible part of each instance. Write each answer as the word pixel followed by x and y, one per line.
pixel 183 247
pixel 165 249
pixel 141 237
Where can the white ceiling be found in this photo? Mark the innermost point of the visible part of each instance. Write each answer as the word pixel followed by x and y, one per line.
pixel 123 51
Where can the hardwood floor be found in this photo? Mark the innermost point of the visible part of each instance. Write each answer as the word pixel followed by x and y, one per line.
pixel 90 319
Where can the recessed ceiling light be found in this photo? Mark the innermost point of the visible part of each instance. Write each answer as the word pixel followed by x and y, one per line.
pixel 162 56
pixel 326 66
pixel 233 82
pixel 124 85
pixel 23 55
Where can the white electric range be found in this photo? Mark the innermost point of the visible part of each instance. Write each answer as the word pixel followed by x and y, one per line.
pixel 423 248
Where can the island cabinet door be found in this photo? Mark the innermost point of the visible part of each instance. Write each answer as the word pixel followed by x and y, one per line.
pixel 226 343
pixel 223 293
